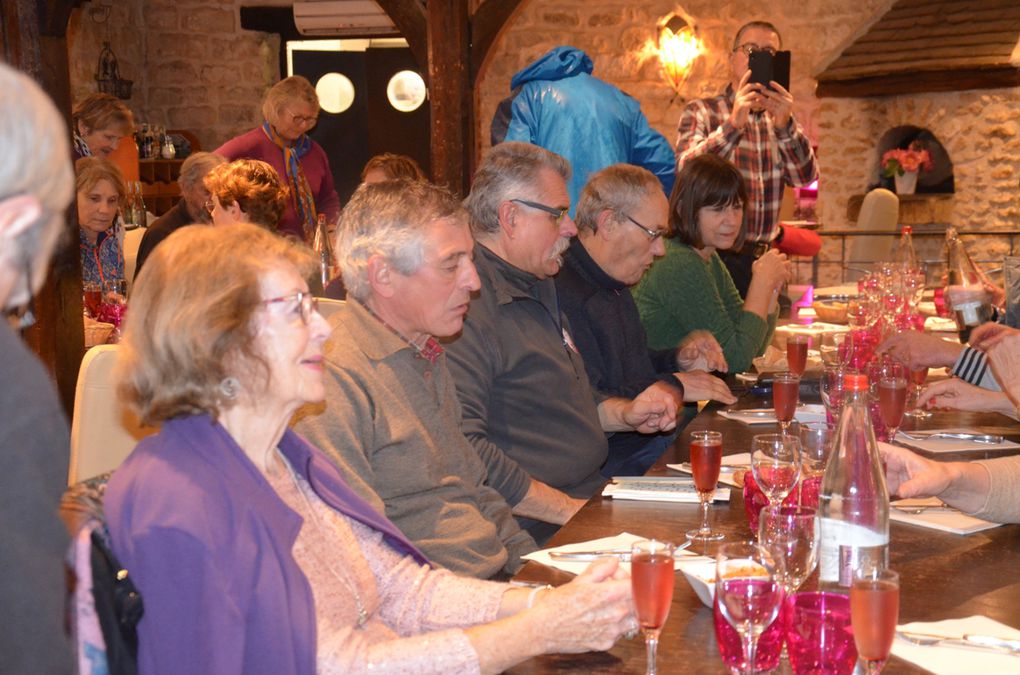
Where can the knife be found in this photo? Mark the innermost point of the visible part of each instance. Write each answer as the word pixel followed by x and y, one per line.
pixel 992 439
pixel 581 556
pixel 969 640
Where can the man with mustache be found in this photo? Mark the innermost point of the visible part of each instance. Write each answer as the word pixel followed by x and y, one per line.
pixel 528 407
pixel 392 420
pixel 621 220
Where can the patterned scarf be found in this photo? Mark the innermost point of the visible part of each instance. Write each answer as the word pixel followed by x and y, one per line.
pixel 81 148
pixel 300 190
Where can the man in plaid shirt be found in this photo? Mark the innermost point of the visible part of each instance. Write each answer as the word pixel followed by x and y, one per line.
pixel 753 127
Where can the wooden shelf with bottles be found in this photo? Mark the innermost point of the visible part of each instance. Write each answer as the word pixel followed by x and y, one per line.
pixel 159 183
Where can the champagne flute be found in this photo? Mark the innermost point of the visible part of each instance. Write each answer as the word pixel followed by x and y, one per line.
pixel 785 394
pixel 891 392
pixel 775 464
pixel 796 353
pixel 706 461
pixel 874 611
pixel 790 535
pixel 651 579
pixel 917 380
pixel 749 595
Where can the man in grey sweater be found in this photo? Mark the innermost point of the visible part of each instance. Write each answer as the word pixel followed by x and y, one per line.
pixel 528 406
pixel 391 420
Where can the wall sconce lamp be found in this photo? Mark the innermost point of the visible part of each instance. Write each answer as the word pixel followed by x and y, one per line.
pixel 677 46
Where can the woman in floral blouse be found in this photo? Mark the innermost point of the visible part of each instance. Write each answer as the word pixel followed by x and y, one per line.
pixel 101 191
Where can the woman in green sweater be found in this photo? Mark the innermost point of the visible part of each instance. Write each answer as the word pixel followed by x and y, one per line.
pixel 690 289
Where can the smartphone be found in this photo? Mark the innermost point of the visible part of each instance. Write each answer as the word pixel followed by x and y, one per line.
pixel 766 68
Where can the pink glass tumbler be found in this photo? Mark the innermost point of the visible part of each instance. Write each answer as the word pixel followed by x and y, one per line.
pixel 819 638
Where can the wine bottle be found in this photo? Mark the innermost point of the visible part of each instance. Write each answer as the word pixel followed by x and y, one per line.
pixel 321 245
pixel 965 293
pixel 853 503
pixel 906 255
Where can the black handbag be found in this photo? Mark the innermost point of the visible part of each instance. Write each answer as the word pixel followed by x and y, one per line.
pixel 118 606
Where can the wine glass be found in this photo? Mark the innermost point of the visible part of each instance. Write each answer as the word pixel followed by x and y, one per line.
pixel 917 380
pixel 796 353
pixel 790 535
pixel 830 387
pixel 815 446
pixel 891 392
pixel 706 461
pixel 651 580
pixel 775 464
pixel 92 297
pixel 749 594
pixel 836 349
pixel 785 395
pixel 874 611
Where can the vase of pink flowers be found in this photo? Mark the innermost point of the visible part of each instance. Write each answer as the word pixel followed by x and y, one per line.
pixel 903 165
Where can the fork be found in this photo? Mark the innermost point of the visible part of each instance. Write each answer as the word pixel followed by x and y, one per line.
pixel 992 439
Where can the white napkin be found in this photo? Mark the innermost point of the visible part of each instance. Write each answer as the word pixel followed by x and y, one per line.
pixel 943 445
pixel 946 520
pixel 622 540
pixel 811 412
pixel 676 489
pixel 730 465
pixel 952 660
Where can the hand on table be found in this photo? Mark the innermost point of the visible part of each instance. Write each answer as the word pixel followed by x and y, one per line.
pixel 590 613
pixel 910 475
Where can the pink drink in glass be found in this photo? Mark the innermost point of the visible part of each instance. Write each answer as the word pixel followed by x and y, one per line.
pixel 918 377
pixel 785 393
pixel 892 400
pixel 770 644
pixel 874 608
pixel 796 353
pixel 706 462
pixel 652 576
pixel 819 638
pixel 93 298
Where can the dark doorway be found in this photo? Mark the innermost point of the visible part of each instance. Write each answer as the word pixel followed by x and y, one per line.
pixel 371 125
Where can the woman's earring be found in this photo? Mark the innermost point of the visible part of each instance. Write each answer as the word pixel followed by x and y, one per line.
pixel 229 388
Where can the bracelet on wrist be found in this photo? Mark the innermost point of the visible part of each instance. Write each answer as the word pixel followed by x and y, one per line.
pixel 534 593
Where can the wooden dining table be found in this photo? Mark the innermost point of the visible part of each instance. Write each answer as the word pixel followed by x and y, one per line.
pixel 942 575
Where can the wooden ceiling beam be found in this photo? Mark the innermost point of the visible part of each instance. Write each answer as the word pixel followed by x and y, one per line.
pixel 411 20
pixel 921 82
pixel 487 22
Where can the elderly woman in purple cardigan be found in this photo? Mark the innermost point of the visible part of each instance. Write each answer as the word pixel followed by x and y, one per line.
pixel 251 553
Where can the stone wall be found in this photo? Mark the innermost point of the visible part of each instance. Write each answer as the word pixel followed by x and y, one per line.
pixel 979 129
pixel 194 67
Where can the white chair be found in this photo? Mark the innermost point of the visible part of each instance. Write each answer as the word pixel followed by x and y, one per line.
pixel 103 432
pixel 328 306
pixel 879 211
pixel 132 240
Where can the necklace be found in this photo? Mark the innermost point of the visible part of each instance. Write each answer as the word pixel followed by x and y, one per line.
pixel 363 614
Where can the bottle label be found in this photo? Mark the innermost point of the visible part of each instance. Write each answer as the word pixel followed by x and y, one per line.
pixel 844 547
pixel 969 312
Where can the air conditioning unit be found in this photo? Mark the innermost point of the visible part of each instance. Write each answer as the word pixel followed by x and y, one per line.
pixel 344 18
